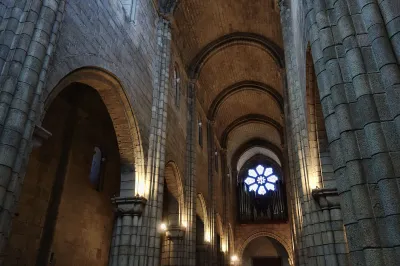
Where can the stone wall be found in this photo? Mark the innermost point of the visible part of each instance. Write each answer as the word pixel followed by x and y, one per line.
pixel 98 34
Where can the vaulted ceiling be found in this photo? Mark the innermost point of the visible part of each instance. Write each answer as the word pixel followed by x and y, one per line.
pixel 233 49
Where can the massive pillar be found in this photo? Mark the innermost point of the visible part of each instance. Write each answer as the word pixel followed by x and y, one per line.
pixel 358 75
pixel 27 43
pixel 315 232
pixel 355 48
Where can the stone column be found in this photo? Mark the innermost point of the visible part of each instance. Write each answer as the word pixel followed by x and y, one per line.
pixel 124 240
pixel 150 245
pixel 333 237
pixel 190 180
pixel 29 31
pixel 357 77
pixel 174 249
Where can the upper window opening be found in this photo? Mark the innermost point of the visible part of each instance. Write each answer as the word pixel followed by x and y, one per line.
pixel 200 131
pixel 216 158
pixel 261 179
pixel 96 168
pixel 176 85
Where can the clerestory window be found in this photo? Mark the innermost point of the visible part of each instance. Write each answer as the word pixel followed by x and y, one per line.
pixel 176 85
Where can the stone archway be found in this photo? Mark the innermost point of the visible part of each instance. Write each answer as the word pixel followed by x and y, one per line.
pixel 120 111
pixel 242 246
pixel 174 184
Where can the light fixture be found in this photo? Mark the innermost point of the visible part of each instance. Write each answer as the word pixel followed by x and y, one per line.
pixel 234 258
pixel 163 227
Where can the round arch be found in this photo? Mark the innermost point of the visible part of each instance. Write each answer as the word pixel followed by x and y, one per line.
pixel 242 246
pixel 201 210
pixel 251 118
pixel 120 110
pixel 235 38
pixel 241 86
pixel 173 179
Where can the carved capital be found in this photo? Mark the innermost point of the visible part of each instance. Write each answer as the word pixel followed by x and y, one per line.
pixel 327 198
pixel 175 233
pixel 39 136
pixel 129 205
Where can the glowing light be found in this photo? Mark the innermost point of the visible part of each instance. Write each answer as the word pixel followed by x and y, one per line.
pixel 272 179
pixel 260 169
pixel 207 238
pixel 268 171
pixel 253 187
pixel 249 180
pixel 234 258
pixel 141 188
pixel 253 173
pixel 270 186
pixel 262 190
pixel 184 224
pixel 261 180
pixel 163 227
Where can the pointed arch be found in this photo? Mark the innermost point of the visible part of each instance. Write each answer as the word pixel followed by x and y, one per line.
pixel 242 246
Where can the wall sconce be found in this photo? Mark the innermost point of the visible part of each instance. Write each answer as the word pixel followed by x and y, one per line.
pixel 207 238
pixel 234 258
pixel 163 227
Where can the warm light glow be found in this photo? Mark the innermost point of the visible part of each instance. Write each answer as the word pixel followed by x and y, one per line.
pixel 224 247
pixel 207 237
pixel 234 258
pixel 163 227
pixel 141 188
pixel 314 182
pixel 184 224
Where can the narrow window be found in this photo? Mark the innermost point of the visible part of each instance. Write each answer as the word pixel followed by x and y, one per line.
pixel 200 133
pixel 97 169
pixel 216 158
pixel 176 85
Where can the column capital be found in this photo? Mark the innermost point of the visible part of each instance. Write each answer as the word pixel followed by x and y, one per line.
pixel 129 205
pixel 175 232
pixel 327 198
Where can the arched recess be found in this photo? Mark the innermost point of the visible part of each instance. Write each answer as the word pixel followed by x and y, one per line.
pixel 201 211
pixel 240 86
pixel 120 110
pixel 241 246
pixel 251 118
pixel 173 179
pixel 231 239
pixel 234 39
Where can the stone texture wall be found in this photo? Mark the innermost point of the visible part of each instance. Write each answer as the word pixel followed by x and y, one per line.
pixel 97 34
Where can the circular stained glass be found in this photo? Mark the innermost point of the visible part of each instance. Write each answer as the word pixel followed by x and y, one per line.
pixel 261 179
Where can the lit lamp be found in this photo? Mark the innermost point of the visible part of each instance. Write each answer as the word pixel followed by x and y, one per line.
pixel 163 227
pixel 234 259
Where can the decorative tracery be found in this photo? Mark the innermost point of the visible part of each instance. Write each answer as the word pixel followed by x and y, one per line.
pixel 261 179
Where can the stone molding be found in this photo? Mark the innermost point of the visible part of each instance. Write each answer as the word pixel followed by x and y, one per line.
pixel 327 198
pixel 175 232
pixel 40 135
pixel 129 205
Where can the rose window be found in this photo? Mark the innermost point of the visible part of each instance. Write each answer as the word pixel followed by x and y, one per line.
pixel 261 179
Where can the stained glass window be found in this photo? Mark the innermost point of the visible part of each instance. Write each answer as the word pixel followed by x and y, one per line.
pixel 261 179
